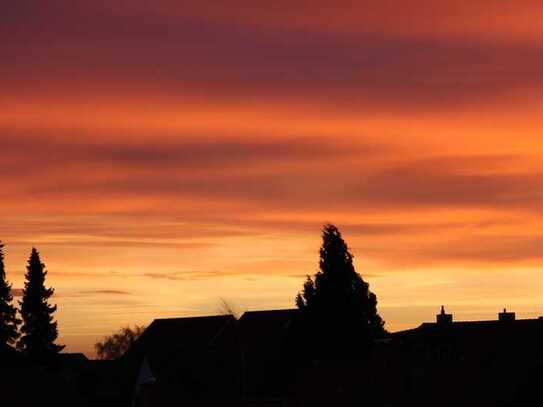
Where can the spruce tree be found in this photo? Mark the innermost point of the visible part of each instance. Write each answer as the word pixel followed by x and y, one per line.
pixel 339 309
pixel 8 313
pixel 39 330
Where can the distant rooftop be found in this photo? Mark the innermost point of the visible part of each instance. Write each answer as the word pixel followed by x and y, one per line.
pixel 506 322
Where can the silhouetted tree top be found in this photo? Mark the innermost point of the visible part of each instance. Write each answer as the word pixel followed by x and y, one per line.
pixel 338 299
pixel 114 346
pixel 8 313
pixel 39 330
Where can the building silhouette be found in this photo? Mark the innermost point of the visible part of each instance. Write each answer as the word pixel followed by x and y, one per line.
pixel 206 360
pixel 254 361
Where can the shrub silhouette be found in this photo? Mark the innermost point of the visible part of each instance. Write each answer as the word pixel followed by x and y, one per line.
pixel 115 345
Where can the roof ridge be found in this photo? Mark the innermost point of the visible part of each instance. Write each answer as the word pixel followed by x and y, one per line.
pixel 194 317
pixel 471 322
pixel 270 310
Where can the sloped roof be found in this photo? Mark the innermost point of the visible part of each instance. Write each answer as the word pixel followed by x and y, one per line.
pixel 176 334
pixel 270 319
pixel 520 327
pixel 479 337
pixel 266 329
pixel 193 355
pixel 264 335
pixel 72 358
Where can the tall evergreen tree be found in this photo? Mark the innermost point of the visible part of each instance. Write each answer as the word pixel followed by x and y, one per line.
pixel 337 304
pixel 39 330
pixel 8 313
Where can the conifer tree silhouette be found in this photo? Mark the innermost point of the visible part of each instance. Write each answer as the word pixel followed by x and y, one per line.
pixel 337 304
pixel 39 330
pixel 8 313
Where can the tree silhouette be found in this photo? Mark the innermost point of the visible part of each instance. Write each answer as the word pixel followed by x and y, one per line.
pixel 114 346
pixel 337 304
pixel 39 330
pixel 8 313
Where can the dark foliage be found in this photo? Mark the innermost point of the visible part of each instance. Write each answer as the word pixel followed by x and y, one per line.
pixel 336 305
pixel 39 330
pixel 8 313
pixel 114 346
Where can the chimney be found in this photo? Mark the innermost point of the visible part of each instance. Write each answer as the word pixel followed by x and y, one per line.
pixel 506 316
pixel 444 319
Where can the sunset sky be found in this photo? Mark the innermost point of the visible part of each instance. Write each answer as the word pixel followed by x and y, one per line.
pixel 163 154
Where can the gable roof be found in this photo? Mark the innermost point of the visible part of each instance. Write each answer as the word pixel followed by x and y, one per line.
pixel 264 336
pixel 177 334
pixel 276 318
pixel 187 355
pixel 266 329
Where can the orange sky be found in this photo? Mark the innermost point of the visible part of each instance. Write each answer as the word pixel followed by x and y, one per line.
pixel 162 156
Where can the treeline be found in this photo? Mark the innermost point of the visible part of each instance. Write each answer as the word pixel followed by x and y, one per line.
pixel 31 328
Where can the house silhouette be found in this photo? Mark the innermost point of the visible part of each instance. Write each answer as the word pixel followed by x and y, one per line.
pixel 254 361
pixel 208 360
